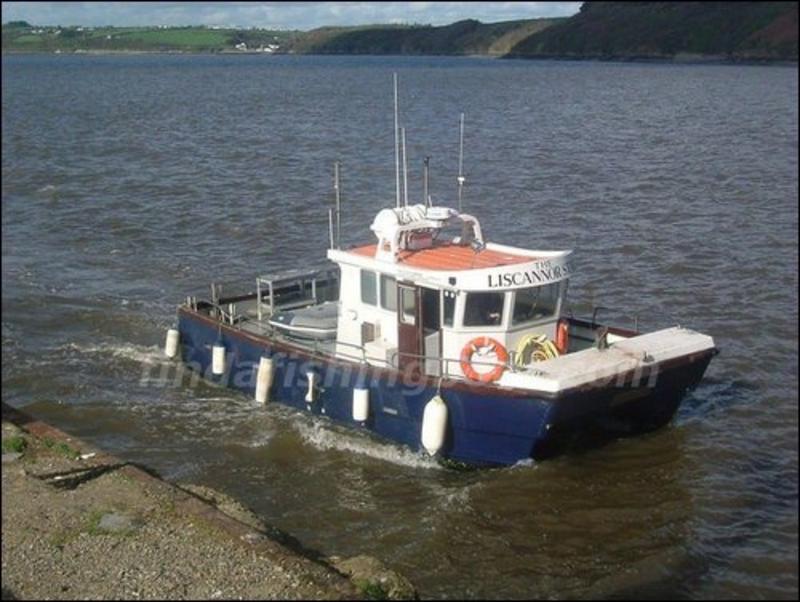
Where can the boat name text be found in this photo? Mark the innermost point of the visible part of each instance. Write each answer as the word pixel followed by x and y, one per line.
pixel 541 273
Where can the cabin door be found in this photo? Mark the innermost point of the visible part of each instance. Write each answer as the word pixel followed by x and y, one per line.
pixel 409 327
pixel 418 328
pixel 431 330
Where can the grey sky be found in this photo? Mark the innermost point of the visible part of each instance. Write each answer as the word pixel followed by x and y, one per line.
pixel 285 15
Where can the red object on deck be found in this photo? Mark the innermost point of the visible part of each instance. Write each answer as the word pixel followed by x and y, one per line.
pixel 449 257
pixel 562 336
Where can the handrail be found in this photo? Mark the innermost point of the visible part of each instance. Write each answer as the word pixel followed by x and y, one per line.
pixel 597 308
pixel 619 314
pixel 421 356
pixel 446 360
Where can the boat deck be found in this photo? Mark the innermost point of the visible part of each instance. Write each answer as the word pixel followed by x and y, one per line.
pixel 624 355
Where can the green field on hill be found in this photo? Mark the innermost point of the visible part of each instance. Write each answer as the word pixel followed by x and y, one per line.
pixel 23 37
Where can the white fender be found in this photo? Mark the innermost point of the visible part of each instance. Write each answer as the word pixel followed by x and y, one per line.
pixel 171 348
pixel 360 404
pixel 218 360
pixel 434 424
pixel 264 379
pixel 312 384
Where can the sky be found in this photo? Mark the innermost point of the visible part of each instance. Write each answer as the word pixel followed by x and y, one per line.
pixel 279 15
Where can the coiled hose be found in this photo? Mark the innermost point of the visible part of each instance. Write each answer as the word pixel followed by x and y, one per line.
pixel 534 348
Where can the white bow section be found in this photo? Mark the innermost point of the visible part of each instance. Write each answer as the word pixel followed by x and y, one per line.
pixel 413 227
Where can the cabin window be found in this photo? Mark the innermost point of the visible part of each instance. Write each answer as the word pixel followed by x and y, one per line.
pixel 484 309
pixel 535 303
pixel 408 301
pixel 449 307
pixel 388 292
pixel 369 288
pixel 431 318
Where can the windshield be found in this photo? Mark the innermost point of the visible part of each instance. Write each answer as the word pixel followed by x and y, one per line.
pixel 535 303
pixel 484 309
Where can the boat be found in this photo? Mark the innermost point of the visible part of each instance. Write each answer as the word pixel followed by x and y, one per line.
pixel 431 336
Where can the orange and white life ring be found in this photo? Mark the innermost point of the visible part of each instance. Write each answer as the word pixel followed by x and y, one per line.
pixel 562 335
pixel 469 350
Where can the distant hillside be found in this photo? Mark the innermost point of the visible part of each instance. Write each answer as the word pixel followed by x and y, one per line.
pixel 460 38
pixel 601 30
pixel 729 30
pixel 20 36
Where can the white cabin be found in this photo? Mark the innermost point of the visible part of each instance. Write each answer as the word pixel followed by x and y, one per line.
pixel 452 287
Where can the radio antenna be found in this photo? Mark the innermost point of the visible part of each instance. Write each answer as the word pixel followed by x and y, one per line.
pixel 405 169
pixel 461 177
pixel 330 229
pixel 396 146
pixel 425 182
pixel 336 189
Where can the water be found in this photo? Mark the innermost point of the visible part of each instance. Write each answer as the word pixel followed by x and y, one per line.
pixel 130 182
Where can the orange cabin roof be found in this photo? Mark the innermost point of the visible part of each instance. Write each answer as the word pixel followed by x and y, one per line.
pixel 448 256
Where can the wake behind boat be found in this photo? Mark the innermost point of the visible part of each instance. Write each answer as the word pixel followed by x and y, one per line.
pixel 436 338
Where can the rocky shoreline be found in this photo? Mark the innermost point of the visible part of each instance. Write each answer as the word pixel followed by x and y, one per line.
pixel 81 523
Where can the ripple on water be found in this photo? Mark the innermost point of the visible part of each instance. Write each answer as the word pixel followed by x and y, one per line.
pixel 675 185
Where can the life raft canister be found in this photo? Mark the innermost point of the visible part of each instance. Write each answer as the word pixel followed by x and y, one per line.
pixel 562 335
pixel 469 350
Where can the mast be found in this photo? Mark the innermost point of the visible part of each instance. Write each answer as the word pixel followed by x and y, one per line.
pixel 461 177
pixel 396 146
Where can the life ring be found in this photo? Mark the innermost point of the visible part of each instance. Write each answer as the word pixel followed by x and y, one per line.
pixel 562 335
pixel 469 350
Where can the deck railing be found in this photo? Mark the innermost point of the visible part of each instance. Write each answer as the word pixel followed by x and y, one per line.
pixel 226 313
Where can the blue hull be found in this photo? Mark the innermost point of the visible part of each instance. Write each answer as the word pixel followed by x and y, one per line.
pixel 486 425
